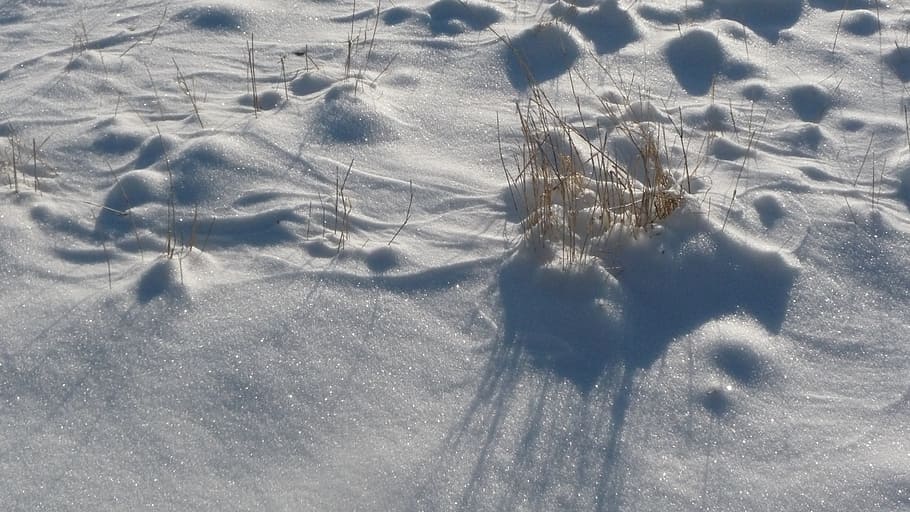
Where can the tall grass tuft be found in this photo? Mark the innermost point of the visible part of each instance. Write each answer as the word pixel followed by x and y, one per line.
pixel 573 194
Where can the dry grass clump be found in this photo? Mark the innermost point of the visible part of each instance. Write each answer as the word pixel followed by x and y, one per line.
pixel 574 193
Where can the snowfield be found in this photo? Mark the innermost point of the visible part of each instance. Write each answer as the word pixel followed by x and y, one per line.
pixel 455 255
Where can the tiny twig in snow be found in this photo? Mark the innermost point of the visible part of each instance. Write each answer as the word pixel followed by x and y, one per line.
pixel 407 215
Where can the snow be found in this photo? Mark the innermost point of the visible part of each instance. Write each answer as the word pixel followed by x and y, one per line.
pixel 328 294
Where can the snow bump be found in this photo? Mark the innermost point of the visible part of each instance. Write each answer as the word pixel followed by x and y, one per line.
pixel 741 362
pixel 696 58
pixel 609 27
pixel 383 259
pixel 810 102
pixel 770 209
pixel 861 23
pixel 898 60
pixel 346 117
pixel 541 53
pixel 268 100
pixel 904 187
pixel 310 83
pixel 215 17
pixel 117 141
pixel 765 18
pixel 457 16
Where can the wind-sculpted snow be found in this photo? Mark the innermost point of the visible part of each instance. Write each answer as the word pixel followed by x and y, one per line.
pixel 454 255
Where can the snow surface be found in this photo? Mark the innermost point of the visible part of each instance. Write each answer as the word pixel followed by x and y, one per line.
pixel 749 353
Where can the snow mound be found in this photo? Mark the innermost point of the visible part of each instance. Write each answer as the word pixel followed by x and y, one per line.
pixel 310 83
pixel 86 62
pixel 740 361
pixel 770 209
pixel 117 138
pixel 153 150
pixel 898 60
pixel 215 17
pixel 726 149
pixel 662 14
pixel 131 190
pixel 743 362
pixel 810 102
pixel 904 187
pixel 445 17
pixel 643 111
pixel 625 148
pixel 383 259
pixel 755 91
pixel 348 116
pixel 803 138
pixel 698 57
pixel 208 167
pixel 162 280
pixel 837 5
pixel 267 100
pixel 540 53
pixel 609 27
pixel 861 23
pixel 258 228
pixel 630 307
pixel 457 16
pixel 766 18
pixel 398 14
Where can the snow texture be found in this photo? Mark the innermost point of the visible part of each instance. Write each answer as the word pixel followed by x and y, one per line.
pixel 263 255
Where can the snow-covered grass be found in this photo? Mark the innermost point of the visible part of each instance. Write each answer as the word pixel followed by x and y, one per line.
pixel 263 255
pixel 584 188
